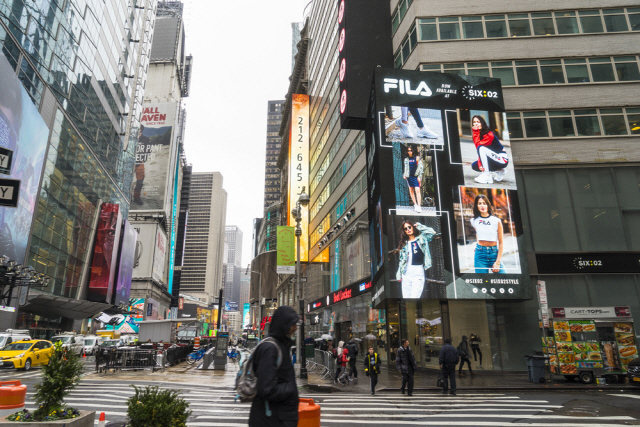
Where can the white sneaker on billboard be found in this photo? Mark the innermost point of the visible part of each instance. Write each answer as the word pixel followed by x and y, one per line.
pixel 484 178
pixel 404 129
pixel 499 175
pixel 426 133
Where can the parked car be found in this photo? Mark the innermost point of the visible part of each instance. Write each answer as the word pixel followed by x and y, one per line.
pixel 109 345
pixel 633 372
pixel 91 344
pixel 25 354
pixel 13 335
pixel 73 342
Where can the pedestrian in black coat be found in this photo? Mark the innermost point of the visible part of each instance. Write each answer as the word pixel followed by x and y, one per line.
pixel 448 362
pixel 276 402
pixel 465 353
pixel 406 363
pixel 352 347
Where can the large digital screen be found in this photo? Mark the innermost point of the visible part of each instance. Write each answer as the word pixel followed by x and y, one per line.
pixel 125 264
pixel 443 201
pixel 299 165
pixel 105 254
pixel 153 157
pixel 23 131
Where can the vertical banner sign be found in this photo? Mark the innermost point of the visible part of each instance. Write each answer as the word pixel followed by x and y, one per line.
pixel 159 256
pixel 299 165
pixel 246 318
pixel 23 131
pixel 105 254
pixel 153 157
pixel 125 264
pixel 286 258
pixel 335 275
pixel 544 304
pixel 174 220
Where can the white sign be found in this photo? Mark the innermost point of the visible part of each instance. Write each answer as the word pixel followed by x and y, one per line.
pixel 542 298
pixel 588 312
pixel 286 269
pixel 159 256
pixel 542 292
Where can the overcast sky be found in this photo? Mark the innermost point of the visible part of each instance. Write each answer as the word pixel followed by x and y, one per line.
pixel 241 59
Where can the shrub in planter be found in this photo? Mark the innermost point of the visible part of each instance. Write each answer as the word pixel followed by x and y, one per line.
pixel 152 406
pixel 59 377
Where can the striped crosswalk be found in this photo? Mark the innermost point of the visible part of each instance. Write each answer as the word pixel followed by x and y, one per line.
pixel 214 406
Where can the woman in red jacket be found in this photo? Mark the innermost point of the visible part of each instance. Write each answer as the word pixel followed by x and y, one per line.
pixel 342 361
pixel 491 154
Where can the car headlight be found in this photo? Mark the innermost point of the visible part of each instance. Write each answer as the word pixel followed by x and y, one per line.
pixel 20 355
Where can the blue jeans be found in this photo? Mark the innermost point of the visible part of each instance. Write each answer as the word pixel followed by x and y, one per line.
pixel 484 258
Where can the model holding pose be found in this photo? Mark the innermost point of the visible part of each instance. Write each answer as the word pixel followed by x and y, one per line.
pixel 489 237
pixel 403 123
pixel 415 258
pixel 412 174
pixel 491 154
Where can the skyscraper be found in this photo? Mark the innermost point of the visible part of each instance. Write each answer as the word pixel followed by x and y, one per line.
pixel 271 171
pixel 234 263
pixel 204 246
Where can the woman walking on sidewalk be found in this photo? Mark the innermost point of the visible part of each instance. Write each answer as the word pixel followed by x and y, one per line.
pixel 337 354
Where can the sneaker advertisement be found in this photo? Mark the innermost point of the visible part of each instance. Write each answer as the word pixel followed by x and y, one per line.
pixel 442 189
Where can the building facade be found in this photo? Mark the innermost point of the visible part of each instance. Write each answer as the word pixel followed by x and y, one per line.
pixel 568 73
pixel 233 267
pixel 85 74
pixel 202 274
pixel 271 171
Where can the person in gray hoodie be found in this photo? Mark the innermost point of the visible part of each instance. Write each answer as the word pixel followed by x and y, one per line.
pixel 465 353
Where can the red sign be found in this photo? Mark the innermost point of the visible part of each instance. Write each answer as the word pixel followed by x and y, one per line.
pixel 180 303
pixel 341 295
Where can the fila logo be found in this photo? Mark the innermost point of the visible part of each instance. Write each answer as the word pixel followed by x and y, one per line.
pixel 405 86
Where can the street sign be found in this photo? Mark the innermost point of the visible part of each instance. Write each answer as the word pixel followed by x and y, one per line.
pixel 303 279
pixel 314 319
pixel 6 159
pixel 9 191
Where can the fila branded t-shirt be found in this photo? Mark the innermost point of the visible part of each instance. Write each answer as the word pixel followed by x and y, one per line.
pixel 486 228
pixel 415 253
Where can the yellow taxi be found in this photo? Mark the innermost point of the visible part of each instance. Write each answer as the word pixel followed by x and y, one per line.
pixel 25 354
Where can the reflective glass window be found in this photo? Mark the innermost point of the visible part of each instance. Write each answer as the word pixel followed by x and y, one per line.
pixel 587 123
pixel 551 71
pixel 472 27
pixel 428 30
pixel 496 26
pixel 536 125
pixel 561 123
pixel 449 30
pixel 591 21
pixel 566 23
pixel 527 73
pixel 542 24
pixel 615 21
pixel 626 71
pixel 519 25
pixel 602 70
pixel 613 122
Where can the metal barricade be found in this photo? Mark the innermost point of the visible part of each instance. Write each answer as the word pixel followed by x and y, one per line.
pixel 130 359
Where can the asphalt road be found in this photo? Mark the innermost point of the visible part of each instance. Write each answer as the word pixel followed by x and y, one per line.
pixel 212 405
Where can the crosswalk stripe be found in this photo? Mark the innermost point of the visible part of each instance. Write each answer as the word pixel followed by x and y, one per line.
pixel 521 416
pixel 464 423
pixel 625 395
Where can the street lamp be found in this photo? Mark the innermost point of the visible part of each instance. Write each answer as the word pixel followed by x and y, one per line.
pixel 303 200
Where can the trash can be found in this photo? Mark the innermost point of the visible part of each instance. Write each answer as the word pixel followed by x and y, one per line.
pixel 536 367
pixel 309 351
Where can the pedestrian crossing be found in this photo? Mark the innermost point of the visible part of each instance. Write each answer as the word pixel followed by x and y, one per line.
pixel 214 406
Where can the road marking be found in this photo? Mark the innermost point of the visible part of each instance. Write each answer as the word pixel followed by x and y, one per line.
pixel 531 416
pixel 625 395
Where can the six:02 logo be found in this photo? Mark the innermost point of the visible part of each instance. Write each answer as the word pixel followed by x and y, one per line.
pixel 468 92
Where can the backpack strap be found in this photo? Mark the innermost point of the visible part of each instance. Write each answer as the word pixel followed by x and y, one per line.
pixel 273 341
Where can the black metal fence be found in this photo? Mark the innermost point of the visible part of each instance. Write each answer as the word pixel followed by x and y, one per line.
pixel 140 358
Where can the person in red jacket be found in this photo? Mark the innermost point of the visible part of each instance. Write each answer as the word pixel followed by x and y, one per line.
pixel 491 154
pixel 343 360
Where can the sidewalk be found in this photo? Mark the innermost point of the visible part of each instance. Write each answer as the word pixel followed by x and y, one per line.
pixel 425 380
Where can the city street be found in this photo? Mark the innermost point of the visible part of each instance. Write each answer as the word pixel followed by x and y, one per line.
pixel 211 399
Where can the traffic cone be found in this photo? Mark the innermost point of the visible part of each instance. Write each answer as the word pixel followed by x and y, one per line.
pixel 84 353
pixel 102 420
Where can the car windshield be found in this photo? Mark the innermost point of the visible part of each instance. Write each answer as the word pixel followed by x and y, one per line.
pixel 89 342
pixel 2 341
pixel 18 346
pixel 63 339
pixel 110 343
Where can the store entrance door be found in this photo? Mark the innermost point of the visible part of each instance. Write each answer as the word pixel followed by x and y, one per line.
pixel 343 332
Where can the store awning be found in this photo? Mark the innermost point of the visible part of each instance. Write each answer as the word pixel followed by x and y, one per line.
pixel 53 306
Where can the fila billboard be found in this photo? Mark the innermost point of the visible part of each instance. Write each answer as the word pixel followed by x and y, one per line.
pixel 444 216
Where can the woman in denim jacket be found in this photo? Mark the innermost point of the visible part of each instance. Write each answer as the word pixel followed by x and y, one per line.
pixel 415 258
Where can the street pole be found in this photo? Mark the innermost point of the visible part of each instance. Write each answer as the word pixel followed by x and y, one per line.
pixel 259 304
pixel 301 356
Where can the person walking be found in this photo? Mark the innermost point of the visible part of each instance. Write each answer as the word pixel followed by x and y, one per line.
pixel 276 401
pixel 406 363
pixel 353 353
pixel 344 378
pixel 337 354
pixel 448 361
pixel 372 368
pixel 465 354
pixel 475 341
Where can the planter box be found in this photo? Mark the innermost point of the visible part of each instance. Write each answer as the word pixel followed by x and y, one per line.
pixel 86 419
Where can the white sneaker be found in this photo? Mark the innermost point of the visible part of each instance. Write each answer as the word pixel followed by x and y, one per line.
pixel 499 175
pixel 484 178
pixel 404 129
pixel 426 133
pixel 418 209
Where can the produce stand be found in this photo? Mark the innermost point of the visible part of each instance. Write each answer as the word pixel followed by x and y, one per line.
pixel 589 348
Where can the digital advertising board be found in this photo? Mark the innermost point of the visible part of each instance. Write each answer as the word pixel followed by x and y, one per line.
pixel 444 216
pixel 153 157
pixel 22 131
pixel 125 264
pixel 105 254
pixel 299 166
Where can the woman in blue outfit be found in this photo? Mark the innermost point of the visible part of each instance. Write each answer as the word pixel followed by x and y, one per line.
pixel 412 173
pixel 489 237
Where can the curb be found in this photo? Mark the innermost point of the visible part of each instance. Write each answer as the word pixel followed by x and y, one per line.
pixel 325 388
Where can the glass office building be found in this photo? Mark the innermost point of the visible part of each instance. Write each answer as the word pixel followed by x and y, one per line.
pixel 84 64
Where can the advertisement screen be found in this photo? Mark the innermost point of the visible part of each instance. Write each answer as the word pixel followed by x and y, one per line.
pixel 159 256
pixel 153 157
pixel 230 306
pixel 246 322
pixel 443 202
pixel 23 131
pixel 299 165
pixel 105 254
pixel 125 264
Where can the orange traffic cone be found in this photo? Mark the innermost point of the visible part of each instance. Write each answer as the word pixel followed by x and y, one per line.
pixel 102 421
pixel 84 353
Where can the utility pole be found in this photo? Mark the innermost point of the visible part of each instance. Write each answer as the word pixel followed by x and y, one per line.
pixel 303 200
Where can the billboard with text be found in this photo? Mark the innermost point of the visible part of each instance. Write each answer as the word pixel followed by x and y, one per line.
pixel 443 203
pixel 299 165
